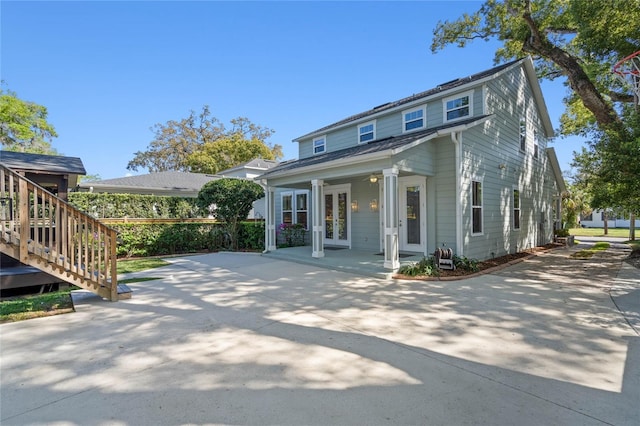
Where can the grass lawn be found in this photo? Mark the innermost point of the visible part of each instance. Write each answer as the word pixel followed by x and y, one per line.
pixel 42 305
pixel 587 253
pixel 599 232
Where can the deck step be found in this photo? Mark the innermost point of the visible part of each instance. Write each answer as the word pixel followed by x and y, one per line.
pixel 124 292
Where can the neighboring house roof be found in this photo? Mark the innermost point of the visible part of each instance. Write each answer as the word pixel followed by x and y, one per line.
pixel 53 164
pixel 440 90
pixel 256 164
pixel 394 144
pixel 157 183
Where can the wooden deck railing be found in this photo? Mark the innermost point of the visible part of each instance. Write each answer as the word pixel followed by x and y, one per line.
pixel 43 231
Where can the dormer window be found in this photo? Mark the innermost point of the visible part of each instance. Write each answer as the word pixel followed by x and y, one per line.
pixel 457 107
pixel 319 145
pixel 413 119
pixel 367 132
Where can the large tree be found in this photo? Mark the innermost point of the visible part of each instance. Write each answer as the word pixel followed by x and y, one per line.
pixel 24 126
pixel 176 141
pixel 577 39
pixel 227 152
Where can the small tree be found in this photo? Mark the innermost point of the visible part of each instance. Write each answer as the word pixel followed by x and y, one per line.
pixel 232 200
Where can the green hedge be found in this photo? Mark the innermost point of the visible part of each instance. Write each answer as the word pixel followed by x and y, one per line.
pixel 103 205
pixel 165 239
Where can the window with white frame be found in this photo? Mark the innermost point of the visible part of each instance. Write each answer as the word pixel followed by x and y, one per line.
pixel 295 207
pixel 458 107
pixel 476 207
pixel 516 208
pixel 523 134
pixel 366 132
pixel 536 143
pixel 319 145
pixel 414 119
pixel 302 208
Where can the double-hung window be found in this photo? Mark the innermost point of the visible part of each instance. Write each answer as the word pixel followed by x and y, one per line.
pixel 476 207
pixel 366 132
pixel 295 208
pixel 458 107
pixel 516 208
pixel 413 119
pixel 523 134
pixel 319 145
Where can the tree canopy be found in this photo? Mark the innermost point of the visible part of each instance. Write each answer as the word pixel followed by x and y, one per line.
pixel 577 39
pixel 24 126
pixel 184 145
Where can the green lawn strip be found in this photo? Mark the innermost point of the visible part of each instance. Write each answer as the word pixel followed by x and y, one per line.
pixel 599 232
pixel 137 265
pixel 41 305
pixel 137 280
pixel 588 253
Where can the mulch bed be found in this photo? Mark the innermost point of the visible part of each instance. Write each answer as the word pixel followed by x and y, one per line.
pixel 485 266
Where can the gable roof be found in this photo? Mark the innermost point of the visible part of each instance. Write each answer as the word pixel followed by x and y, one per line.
pixel 255 164
pixel 390 145
pixel 171 181
pixel 386 107
pixel 53 164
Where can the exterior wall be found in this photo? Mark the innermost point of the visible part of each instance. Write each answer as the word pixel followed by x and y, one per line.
pixel 445 196
pixel 492 155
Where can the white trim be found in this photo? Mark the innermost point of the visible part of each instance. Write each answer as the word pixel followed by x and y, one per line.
pixel 422 108
pixel 420 181
pixel 335 190
pixel 373 132
pixel 445 110
pixel 536 144
pixel 481 205
pixel 515 188
pixel 521 121
pixel 323 138
pixel 456 138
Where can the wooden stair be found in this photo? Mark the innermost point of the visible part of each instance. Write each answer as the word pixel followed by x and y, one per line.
pixel 43 231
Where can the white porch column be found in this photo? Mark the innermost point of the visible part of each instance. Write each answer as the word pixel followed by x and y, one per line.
pixel 270 220
pixel 317 228
pixel 390 220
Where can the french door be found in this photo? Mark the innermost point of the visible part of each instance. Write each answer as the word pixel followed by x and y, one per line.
pixel 412 214
pixel 337 216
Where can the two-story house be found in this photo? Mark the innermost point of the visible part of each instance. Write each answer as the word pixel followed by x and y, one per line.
pixel 464 165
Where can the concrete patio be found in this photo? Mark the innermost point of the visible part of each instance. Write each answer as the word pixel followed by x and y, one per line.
pixel 248 339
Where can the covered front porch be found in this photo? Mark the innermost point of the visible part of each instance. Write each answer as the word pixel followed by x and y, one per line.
pixel 360 262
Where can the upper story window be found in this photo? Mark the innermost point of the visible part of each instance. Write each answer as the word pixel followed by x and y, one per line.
pixel 458 107
pixel 319 145
pixel 366 132
pixel 413 119
pixel 523 134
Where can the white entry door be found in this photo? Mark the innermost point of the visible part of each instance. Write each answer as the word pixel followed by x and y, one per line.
pixel 412 215
pixel 337 216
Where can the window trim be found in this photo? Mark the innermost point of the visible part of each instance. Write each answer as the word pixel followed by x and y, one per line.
pixel 477 206
pixel 518 209
pixel 322 138
pixel 523 135
pixel 294 206
pixel 536 143
pixel 373 132
pixel 445 110
pixel 422 108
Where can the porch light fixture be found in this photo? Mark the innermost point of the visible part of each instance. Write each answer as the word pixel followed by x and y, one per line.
pixel 373 178
pixel 373 205
pixel 354 206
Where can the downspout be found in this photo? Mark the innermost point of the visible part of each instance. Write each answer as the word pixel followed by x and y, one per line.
pixel 456 138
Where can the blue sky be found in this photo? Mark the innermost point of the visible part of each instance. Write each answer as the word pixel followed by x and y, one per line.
pixel 109 71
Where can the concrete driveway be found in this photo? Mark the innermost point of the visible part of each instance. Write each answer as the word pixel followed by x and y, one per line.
pixel 244 339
